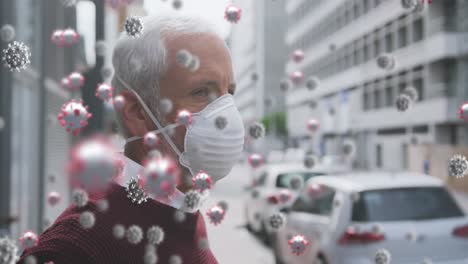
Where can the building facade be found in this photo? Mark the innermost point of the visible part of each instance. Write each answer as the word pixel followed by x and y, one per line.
pixel 356 99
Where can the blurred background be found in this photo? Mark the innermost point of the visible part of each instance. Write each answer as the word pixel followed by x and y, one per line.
pixel 339 84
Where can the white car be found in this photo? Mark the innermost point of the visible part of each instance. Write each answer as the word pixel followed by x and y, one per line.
pixel 271 184
pixel 348 219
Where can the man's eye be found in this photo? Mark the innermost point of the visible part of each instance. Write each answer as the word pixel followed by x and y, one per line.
pixel 201 92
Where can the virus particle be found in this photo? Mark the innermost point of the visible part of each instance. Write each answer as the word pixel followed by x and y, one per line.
pixel 284 196
pixel 165 106
pixel 298 55
pixel 134 234
pixel 118 3
pixel 409 4
pixel 313 190
pixel 458 166
pixel 135 193
pixel 76 81
pixel 177 4
pixel 74 116
pixel 313 125
pixel 150 257
pixel 382 256
pixel 194 64
pixel 159 177
pixel 151 140
pixel 232 14
pixel 348 148
pixel 276 221
pixel 255 160
pixel 155 235
pixel 65 83
pixel 285 84
pixel 16 56
pixel 8 251
pixel 254 77
pixel 215 214
pixel 183 58
pixel 93 164
pixel 386 61
pixel 203 243
pixel 224 205
pixel 192 200
pixel 179 216
pixel 175 259
pixel 68 3
pixel 100 48
pixel 310 160
pixel 312 83
pixel 296 182
pixel 412 93
pixel 118 102
pixel 104 91
pixel 298 244
pixel 7 33
pixel 102 205
pixel 184 117
pixel 29 239
pixel 54 198
pixel 80 197
pixel 220 122
pixel 257 130
pixel 463 112
pixel 202 181
pixel 106 72
pixel 87 220
pixel 297 77
pixel 118 231
pixel 403 102
pixel 70 37
pixel 57 38
pixel 134 26
pixel 30 260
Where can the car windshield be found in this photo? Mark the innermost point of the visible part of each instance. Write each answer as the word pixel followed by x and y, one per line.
pixel 282 181
pixel 405 204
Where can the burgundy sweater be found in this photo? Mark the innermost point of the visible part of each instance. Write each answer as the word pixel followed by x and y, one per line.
pixel 68 243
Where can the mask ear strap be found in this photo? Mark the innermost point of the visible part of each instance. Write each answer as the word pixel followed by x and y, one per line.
pixel 153 118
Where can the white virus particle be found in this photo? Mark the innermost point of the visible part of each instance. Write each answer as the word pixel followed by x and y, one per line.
pixel 118 231
pixel 104 91
pixel 150 258
pixel 29 239
pixel 118 102
pixel 194 64
pixel 203 243
pixel 458 166
pixel 224 205
pixel 284 196
pixel 179 216
pixel 76 81
pixel 155 235
pixel 101 48
pixel 298 55
pixel 54 198
pixel 183 58
pixel 348 148
pixel 220 122
pixel 257 130
pixel 87 220
pixel 65 83
pixel 74 116
pixel 276 221
pixel 7 33
pixel 409 4
pixel 297 77
pixel 184 117
pixel 202 181
pixel 386 61
pixel 135 193
pixel 285 84
pixel 192 199
pixel 298 244
pixel 382 256
pixel 68 3
pixel 215 214
pixel 175 259
pixel 312 83
pixel 134 234
pixel 102 205
pixel 159 177
pixel 232 14
pixel 80 197
pixel 57 37
pixel 134 26
pixel 255 160
pixel 31 259
pixel 16 56
pixel 8 251
pixel 313 125
pixel 412 93
pixel 177 4
pixel 403 102
pixel 151 140
pixel 296 182
pixel 70 37
pixel 463 112
pixel 310 160
pixel 165 106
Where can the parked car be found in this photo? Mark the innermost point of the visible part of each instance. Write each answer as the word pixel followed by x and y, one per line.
pixel 347 219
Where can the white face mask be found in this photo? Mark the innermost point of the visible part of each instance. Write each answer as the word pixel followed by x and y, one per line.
pixel 206 148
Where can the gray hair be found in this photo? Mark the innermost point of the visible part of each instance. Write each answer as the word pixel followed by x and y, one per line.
pixel 141 62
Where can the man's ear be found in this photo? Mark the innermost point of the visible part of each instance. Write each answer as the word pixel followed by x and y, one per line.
pixel 133 115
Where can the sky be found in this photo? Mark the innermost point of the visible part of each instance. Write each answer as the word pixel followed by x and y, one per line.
pixel 212 10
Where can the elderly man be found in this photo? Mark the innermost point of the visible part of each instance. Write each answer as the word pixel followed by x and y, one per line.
pixel 151 75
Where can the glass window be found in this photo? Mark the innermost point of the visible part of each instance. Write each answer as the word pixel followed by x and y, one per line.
pixel 389 42
pixel 320 205
pixel 366 102
pixel 282 181
pixel 389 96
pixel 418 203
pixel 378 158
pixel 366 6
pixel 402 37
pixel 418 84
pixel 418 30
pixel 376 47
pixel 377 98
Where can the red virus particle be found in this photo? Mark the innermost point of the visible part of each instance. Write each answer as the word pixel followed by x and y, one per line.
pixel 65 83
pixel 70 37
pixel 298 244
pixel 104 91
pixel 54 198
pixel 215 214
pixel 284 196
pixel 313 190
pixel 29 239
pixel 202 181
pixel 298 55
pixel 151 140
pixel 184 117
pixel 57 38
pixel 313 125
pixel 119 102
pixel 463 112
pixel 233 14
pixel 297 77
pixel 159 177
pixel 255 160
pixel 74 116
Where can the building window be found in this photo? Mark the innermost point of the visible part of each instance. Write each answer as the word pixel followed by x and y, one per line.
pixel 366 6
pixel 418 85
pixel 389 42
pixel 366 101
pixel 418 30
pixel 389 96
pixel 377 98
pixel 402 37
pixel 366 52
pixel 376 47
pixel 378 156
